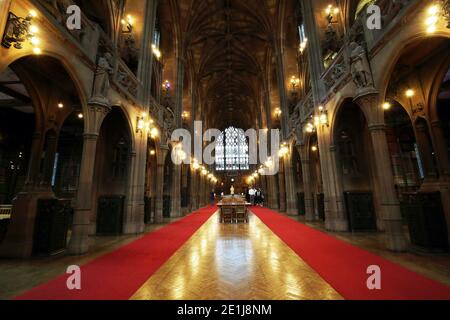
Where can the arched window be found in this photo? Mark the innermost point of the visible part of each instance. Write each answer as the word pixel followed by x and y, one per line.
pixel 232 150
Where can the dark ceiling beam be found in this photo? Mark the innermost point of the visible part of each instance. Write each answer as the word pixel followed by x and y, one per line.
pixel 16 95
pixel 14 103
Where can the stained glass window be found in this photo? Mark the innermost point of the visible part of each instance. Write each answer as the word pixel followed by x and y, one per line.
pixel 232 150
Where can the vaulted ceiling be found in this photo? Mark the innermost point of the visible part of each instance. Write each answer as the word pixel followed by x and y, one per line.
pixel 228 49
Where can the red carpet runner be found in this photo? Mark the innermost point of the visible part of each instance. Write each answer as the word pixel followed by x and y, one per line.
pixel 119 274
pixel 344 266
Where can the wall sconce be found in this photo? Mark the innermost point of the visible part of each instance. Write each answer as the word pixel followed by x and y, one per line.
pixel 278 113
pixel 303 45
pixel 284 151
pixel 60 105
pixel 127 24
pixel 152 152
pixel 80 116
pixel 310 128
pixel 387 105
pixel 156 52
pixel 195 164
pixel 410 93
pixel 322 117
pixel 314 148
pixel 185 115
pixel 166 86
pixel 18 30
pixel 295 83
pixel 331 12
pixel 144 125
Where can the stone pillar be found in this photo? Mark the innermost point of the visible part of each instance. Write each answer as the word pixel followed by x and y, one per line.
pixel 335 212
pixel 201 190
pixel 193 197
pixel 145 68
pixel 159 192
pixel 184 189
pixel 79 242
pixel 176 192
pixel 389 204
pixel 291 194
pixel 272 193
pixel 35 162
pixel 18 242
pixel 314 50
pixel 282 188
pixel 306 174
pixel 441 148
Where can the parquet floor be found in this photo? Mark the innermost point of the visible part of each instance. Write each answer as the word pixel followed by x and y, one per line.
pixel 235 262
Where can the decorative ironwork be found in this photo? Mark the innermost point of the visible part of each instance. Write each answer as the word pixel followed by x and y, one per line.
pixel 17 31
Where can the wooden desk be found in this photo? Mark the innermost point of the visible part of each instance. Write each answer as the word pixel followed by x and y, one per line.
pixel 229 211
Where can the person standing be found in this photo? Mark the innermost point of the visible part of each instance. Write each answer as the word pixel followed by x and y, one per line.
pixel 252 196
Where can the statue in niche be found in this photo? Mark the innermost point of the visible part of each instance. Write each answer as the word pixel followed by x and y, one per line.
pixel 101 84
pixel 360 68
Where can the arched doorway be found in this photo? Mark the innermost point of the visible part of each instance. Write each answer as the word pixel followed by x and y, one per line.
pixel 37 94
pixel 354 154
pixel 112 170
pixel 68 157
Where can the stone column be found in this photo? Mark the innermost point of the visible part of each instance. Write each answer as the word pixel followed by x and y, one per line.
pixel 193 197
pixel 145 68
pixel 35 162
pixel 176 192
pixel 389 204
pixel 18 242
pixel 306 174
pixel 291 194
pixel 441 148
pixel 201 190
pixel 272 193
pixel 79 242
pixel 184 188
pixel 282 189
pixel 159 192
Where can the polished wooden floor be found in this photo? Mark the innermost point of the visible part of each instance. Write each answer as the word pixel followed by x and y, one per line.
pixel 235 262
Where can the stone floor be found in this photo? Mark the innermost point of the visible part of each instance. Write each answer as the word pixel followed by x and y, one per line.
pixel 222 262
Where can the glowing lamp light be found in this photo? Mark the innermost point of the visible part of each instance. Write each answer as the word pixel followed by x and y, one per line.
pixel 154 133
pixel 152 152
pixel 410 93
pixel 387 106
pixel 80 116
pixel 314 148
pixel 432 18
pixel 60 105
pixel 37 51
pixel 33 13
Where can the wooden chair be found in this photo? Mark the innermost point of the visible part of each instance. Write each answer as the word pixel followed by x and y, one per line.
pixel 226 214
pixel 241 213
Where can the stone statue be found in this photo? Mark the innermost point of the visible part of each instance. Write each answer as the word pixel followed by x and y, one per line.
pixel 360 68
pixel 101 84
pixel 232 190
